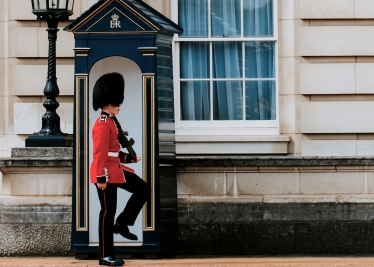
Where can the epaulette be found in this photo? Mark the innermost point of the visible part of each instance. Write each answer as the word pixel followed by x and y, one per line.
pixel 103 118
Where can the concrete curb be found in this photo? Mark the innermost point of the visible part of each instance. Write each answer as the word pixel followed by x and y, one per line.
pixel 334 261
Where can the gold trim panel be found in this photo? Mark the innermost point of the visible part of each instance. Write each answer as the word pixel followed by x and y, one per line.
pixel 148 51
pixel 151 176
pixel 79 190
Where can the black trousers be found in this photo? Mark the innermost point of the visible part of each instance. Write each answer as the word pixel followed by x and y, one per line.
pixel 141 192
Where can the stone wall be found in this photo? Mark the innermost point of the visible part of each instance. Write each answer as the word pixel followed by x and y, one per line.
pixel 275 205
pixel 35 202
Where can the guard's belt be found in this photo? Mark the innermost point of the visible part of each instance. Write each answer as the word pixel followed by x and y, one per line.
pixel 113 154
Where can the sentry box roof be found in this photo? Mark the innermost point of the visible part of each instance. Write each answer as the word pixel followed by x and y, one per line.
pixel 122 17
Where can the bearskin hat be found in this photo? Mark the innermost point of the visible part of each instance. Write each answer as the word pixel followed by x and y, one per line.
pixel 108 89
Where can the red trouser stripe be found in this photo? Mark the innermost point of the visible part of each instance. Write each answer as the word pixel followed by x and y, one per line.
pixel 102 226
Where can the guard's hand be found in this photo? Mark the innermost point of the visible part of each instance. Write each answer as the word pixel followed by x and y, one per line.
pixel 101 186
pixel 138 158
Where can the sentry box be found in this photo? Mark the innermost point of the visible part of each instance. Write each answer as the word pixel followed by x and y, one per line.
pixel 129 37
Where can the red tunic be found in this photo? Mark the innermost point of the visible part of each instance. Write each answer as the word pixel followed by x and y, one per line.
pixel 105 140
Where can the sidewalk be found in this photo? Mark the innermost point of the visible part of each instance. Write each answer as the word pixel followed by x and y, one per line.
pixel 257 261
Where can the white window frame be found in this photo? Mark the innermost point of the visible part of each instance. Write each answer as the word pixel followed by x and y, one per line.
pixel 223 127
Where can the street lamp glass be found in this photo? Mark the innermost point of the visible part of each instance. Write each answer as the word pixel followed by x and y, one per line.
pixel 50 5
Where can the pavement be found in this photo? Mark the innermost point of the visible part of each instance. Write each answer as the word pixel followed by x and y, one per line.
pixel 256 261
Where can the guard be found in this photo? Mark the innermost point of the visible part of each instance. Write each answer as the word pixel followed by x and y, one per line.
pixel 109 170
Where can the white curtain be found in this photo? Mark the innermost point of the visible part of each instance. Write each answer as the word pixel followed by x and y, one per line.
pixel 227 61
pixel 195 95
pixel 193 17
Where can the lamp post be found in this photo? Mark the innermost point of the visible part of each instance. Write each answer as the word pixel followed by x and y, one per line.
pixel 52 11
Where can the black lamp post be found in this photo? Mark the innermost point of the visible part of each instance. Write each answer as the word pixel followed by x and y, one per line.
pixel 50 135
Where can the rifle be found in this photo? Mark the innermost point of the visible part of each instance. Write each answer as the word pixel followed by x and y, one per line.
pixel 122 139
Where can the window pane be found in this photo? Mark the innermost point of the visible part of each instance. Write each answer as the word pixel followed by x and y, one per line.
pixel 193 17
pixel 259 60
pixel 227 100
pixel 195 100
pixel 258 18
pixel 227 60
pixel 225 18
pixel 194 60
pixel 260 100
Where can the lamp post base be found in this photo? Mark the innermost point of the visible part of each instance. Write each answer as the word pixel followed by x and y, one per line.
pixel 49 141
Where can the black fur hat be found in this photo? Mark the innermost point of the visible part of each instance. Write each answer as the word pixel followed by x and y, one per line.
pixel 108 89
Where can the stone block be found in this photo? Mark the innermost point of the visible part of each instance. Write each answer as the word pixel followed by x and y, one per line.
pixel 336 40
pixel 364 9
pixel 365 148
pixel 288 9
pixel 370 182
pixel 77 9
pixel 337 117
pixel 26 41
pixel 288 113
pixel 294 147
pixel 156 4
pixel 300 199
pixel 3 8
pixel 359 199
pixel 333 183
pixel 364 78
pixel 15 140
pixel 232 148
pixel 324 148
pixel 288 84
pixel 2 88
pixel 262 183
pixel 34 79
pixel 66 113
pixel 5 185
pixel 20 11
pixel 288 38
pixel 2 44
pixel 26 118
pixel 40 184
pixel 196 183
pixel 327 79
pixel 2 142
pixel 331 9
pixel 86 4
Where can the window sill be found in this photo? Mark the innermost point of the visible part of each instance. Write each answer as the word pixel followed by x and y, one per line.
pixel 231 145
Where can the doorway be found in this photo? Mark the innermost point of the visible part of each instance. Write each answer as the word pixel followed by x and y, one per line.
pixel 130 118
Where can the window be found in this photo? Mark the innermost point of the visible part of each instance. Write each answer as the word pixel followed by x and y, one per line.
pixel 227 58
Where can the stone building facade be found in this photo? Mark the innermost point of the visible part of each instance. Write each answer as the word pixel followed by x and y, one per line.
pixel 299 180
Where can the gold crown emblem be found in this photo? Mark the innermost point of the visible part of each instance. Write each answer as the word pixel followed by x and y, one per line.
pixel 114 17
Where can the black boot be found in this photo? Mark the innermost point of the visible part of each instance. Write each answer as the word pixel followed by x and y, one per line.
pixel 111 261
pixel 123 230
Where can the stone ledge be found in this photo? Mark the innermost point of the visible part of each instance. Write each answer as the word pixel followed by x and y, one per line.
pixel 55 152
pixel 244 212
pixel 36 162
pixel 279 199
pixel 231 145
pixel 231 138
pixel 277 161
pixel 24 201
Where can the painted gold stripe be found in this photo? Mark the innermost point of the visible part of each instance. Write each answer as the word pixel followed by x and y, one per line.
pixel 149 178
pixel 79 190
